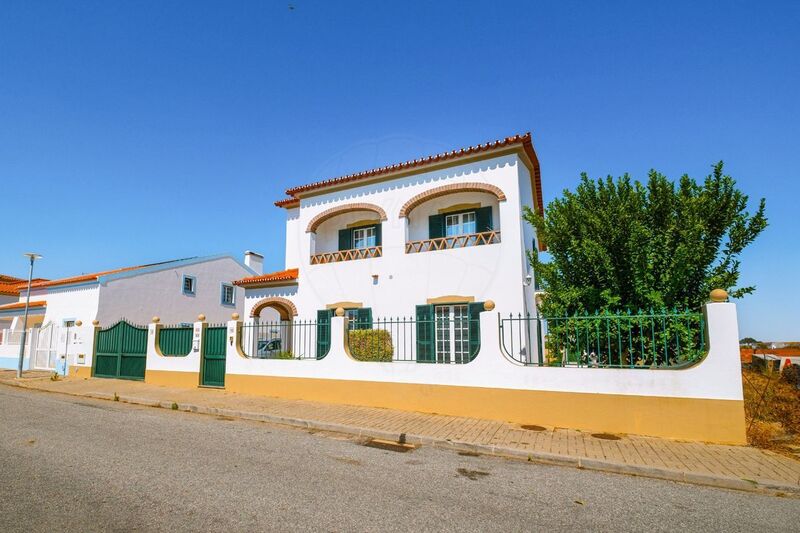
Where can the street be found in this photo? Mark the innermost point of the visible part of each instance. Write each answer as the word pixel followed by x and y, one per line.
pixel 73 464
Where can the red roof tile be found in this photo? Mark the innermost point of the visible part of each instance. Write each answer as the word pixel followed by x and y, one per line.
pixel 81 278
pixel 525 141
pixel 284 275
pixel 21 305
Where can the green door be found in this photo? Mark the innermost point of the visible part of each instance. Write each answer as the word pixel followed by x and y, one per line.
pixel 214 357
pixel 121 352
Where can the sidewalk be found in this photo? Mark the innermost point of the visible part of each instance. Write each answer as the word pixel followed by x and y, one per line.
pixel 735 467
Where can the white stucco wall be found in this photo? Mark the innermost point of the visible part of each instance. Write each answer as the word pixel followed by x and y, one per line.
pixel 160 293
pixel 493 272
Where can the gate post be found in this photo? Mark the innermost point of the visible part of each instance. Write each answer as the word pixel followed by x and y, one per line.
pixel 197 336
pixel 234 336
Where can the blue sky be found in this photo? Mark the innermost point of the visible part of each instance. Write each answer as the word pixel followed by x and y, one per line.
pixel 133 132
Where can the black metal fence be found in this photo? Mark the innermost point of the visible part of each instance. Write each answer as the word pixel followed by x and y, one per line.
pixel 443 340
pixel 285 339
pixel 668 339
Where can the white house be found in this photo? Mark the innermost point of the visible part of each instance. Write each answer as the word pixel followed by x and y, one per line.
pixel 62 311
pixel 432 236
pixel 396 293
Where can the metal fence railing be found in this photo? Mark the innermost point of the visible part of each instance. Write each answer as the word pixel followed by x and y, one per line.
pixel 285 339
pixel 175 341
pixel 668 339
pixel 445 340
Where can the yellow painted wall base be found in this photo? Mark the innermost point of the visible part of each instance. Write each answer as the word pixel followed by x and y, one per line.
pixel 718 421
pixel 187 380
pixel 80 371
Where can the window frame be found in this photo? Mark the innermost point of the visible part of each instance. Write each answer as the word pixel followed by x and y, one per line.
pixel 460 216
pixel 193 291
pixel 222 287
pixel 366 237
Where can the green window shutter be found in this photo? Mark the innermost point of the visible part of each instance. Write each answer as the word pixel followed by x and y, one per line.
pixel 435 226
pixel 345 239
pixel 483 219
pixel 378 236
pixel 323 332
pixel 475 310
pixel 426 334
pixel 364 318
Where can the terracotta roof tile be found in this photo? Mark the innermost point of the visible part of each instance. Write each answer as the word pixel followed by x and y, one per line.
pixel 523 140
pixel 283 275
pixel 81 278
pixel 21 305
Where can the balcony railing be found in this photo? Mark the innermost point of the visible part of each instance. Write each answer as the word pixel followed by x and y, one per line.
pixel 454 241
pixel 346 255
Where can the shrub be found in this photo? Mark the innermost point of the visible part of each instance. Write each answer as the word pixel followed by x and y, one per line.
pixel 791 374
pixel 371 345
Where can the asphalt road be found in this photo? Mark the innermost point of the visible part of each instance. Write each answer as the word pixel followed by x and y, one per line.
pixel 70 464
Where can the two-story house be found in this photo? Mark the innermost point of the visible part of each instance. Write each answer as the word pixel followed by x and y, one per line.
pixel 430 239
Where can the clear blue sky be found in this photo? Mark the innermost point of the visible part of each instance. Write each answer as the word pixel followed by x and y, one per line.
pixel 133 132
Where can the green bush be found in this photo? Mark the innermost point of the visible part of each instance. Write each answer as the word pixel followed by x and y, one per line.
pixel 371 345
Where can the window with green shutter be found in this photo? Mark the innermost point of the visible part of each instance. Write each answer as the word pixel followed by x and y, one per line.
pixel 323 332
pixel 360 237
pixel 426 334
pixel 475 310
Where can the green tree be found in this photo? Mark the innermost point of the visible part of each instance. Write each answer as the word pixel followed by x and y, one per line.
pixel 622 244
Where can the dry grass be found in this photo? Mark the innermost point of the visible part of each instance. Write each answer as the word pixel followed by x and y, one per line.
pixel 772 411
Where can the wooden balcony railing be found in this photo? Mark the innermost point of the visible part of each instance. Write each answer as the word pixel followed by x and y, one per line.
pixel 346 255
pixel 456 241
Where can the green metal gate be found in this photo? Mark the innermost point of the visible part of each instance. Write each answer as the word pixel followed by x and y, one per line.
pixel 121 351
pixel 213 368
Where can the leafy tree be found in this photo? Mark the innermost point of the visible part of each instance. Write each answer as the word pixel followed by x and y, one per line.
pixel 749 340
pixel 622 244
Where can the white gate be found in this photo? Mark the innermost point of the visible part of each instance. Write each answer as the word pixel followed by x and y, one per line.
pixel 45 355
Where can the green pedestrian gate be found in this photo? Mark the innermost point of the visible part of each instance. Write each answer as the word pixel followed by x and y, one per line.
pixel 213 367
pixel 121 351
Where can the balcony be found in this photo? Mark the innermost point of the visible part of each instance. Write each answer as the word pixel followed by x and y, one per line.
pixel 454 241
pixel 347 255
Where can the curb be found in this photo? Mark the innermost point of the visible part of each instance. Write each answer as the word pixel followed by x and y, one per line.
pixel 597 465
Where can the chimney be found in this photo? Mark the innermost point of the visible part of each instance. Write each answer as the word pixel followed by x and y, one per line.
pixel 254 261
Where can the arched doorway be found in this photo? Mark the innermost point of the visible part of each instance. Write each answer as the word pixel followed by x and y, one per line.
pixel 272 333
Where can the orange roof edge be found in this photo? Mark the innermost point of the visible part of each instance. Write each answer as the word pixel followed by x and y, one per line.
pixel 21 305
pixel 290 274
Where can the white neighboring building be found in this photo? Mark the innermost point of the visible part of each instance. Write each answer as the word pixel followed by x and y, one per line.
pixel 62 311
pixel 429 236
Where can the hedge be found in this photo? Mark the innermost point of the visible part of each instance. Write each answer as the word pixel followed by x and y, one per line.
pixel 371 345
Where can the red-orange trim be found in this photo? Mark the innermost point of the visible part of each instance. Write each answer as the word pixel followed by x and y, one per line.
pixel 21 305
pixel 525 140
pixel 283 275
pixel 451 188
pixel 342 209
pixel 286 309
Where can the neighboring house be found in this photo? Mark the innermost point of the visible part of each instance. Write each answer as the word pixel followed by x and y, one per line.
pixel 61 311
pixel 431 237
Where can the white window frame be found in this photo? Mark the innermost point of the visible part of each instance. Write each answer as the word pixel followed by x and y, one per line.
pixel 367 233
pixel 461 222
pixel 451 339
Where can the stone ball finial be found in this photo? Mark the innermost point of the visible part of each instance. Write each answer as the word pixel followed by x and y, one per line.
pixel 488 305
pixel 234 316
pixel 156 320
pixel 78 323
pixel 719 295
pixel 201 318
pixel 95 322
pixel 340 311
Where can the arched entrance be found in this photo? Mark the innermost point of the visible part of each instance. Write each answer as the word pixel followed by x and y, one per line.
pixel 271 336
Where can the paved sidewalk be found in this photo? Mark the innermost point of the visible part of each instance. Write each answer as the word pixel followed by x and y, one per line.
pixel 737 467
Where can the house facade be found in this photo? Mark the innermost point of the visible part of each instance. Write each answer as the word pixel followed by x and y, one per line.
pixel 62 311
pixel 433 237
